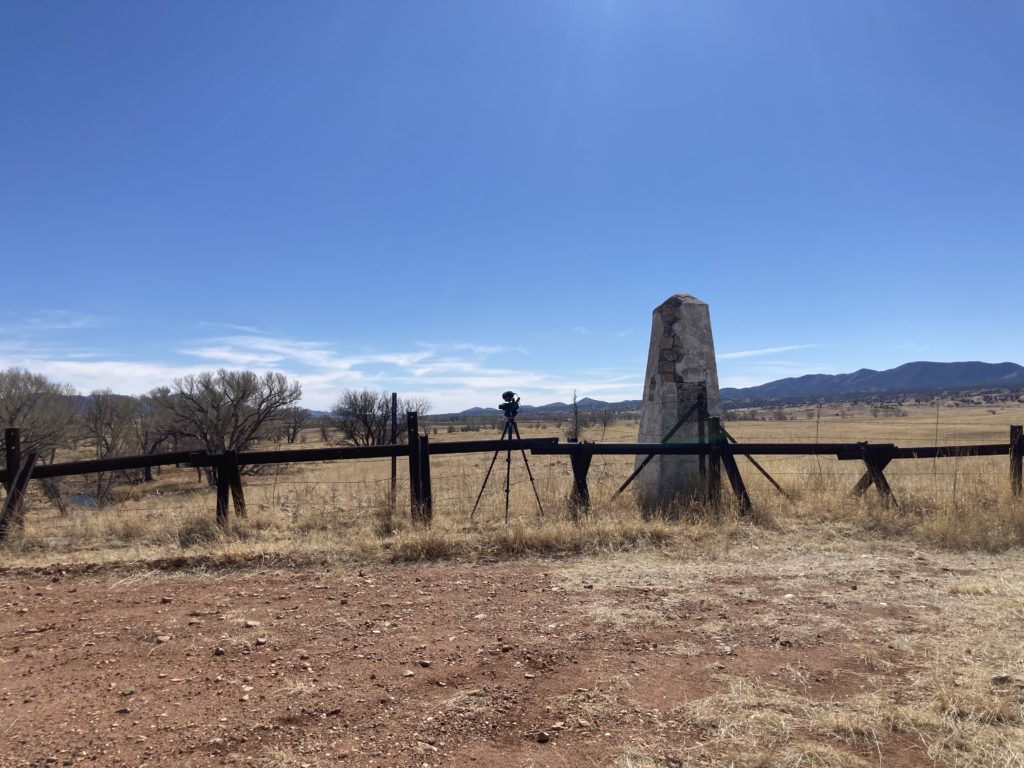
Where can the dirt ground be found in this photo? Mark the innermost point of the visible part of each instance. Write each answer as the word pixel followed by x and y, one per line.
pixel 769 652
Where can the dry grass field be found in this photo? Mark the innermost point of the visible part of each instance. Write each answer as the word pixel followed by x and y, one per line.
pixel 828 631
pixel 340 511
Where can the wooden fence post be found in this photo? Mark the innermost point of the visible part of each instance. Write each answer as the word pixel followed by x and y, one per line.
pixel 713 478
pixel 426 511
pixel 702 430
pixel 1016 457
pixel 580 460
pixel 223 489
pixel 12 509
pixel 877 459
pixel 415 490
pixel 875 462
pixel 230 466
pixel 394 458
pixel 12 454
pixel 732 470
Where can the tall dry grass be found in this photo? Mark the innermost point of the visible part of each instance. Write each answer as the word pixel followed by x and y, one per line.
pixel 342 511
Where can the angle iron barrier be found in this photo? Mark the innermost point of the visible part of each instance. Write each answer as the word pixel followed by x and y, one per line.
pixel 876 457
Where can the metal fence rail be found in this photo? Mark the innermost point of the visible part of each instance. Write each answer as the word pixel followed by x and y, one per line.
pixel 719 452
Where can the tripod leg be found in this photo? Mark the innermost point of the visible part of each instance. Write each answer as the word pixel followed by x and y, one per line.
pixel 508 467
pixel 487 477
pixel 540 507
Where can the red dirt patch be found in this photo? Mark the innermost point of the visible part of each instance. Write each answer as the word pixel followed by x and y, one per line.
pixel 452 665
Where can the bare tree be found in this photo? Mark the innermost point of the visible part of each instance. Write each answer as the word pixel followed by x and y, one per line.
pixel 293 420
pixel 153 422
pixel 39 407
pixel 605 417
pixel 108 423
pixel 572 429
pixel 363 416
pixel 324 423
pixel 228 410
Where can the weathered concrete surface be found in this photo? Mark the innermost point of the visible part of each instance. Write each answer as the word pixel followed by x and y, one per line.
pixel 681 359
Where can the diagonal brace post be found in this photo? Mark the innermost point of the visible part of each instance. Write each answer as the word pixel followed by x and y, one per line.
pixel 647 460
pixel 876 458
pixel 12 510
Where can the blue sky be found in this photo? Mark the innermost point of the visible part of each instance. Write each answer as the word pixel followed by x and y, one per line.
pixel 455 198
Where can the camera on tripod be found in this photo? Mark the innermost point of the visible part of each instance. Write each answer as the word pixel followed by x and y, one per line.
pixel 511 405
pixel 509 436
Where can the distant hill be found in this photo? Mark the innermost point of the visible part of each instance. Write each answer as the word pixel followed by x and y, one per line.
pixel 586 405
pixel 910 378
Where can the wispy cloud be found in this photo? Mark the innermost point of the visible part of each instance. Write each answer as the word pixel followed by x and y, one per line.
pixel 124 377
pixel 230 327
pixel 226 354
pixel 765 351
pixel 49 320
pixel 452 375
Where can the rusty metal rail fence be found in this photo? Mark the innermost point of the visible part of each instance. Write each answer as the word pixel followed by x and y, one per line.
pixel 717 449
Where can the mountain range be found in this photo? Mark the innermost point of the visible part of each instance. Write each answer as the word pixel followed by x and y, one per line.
pixel 910 378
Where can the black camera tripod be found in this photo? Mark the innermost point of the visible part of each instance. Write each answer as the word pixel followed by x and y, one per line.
pixel 510 408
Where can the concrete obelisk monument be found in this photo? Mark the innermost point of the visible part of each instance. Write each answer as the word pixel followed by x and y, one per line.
pixel 680 365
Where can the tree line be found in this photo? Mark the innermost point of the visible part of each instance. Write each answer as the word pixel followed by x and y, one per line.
pixel 213 411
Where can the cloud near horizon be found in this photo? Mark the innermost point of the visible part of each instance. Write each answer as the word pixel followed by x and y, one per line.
pixel 452 376
pixel 764 351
